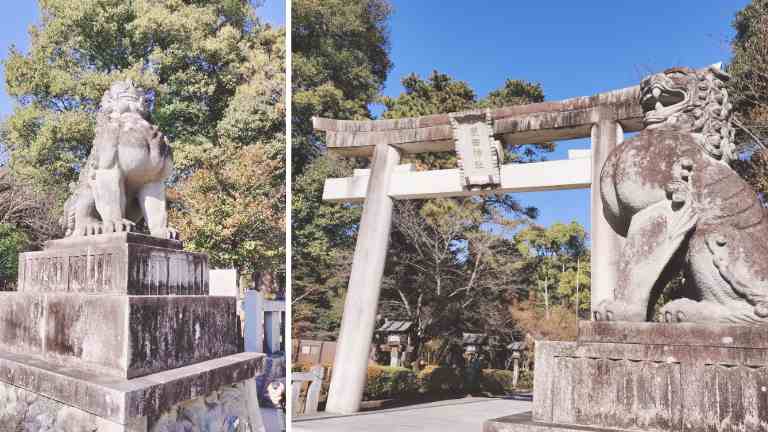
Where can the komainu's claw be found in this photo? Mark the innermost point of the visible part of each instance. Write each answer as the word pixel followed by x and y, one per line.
pixel 616 310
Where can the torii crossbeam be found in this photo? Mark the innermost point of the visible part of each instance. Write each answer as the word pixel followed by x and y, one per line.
pixel 603 117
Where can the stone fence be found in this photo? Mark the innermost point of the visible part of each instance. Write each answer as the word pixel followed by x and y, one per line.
pixel 7 285
pixel 264 329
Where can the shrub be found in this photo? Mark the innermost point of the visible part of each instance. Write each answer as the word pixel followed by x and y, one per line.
pixel 386 382
pixel 496 381
pixel 12 241
pixel 441 380
pixel 525 380
pixel 383 382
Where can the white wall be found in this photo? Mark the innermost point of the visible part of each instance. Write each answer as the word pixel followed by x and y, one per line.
pixel 223 282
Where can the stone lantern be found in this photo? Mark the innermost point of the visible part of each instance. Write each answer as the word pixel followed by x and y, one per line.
pixel 516 349
pixel 396 338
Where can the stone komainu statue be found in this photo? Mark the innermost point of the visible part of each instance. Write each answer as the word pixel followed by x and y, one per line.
pixel 671 193
pixel 123 179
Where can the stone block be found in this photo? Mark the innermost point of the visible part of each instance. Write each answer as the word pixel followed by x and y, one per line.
pixel 25 411
pixel 119 336
pixel 688 334
pixel 21 318
pixel 36 396
pixel 655 377
pixel 122 263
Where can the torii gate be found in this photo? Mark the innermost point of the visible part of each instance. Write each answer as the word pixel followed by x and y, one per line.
pixel 603 117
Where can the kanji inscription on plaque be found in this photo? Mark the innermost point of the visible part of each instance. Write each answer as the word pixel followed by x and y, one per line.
pixel 478 152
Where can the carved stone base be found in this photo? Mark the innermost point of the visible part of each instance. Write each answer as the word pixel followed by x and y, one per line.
pixel 36 396
pixel 116 333
pixel 223 410
pixel 122 263
pixel 655 377
pixel 121 336
pixel 125 305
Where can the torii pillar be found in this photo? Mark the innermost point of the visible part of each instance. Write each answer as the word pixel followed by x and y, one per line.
pixel 606 133
pixel 362 301
pixel 603 117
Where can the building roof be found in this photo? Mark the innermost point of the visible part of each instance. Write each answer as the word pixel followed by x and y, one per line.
pixel 395 326
pixel 474 338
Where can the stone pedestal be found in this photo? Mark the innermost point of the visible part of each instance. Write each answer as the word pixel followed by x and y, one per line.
pixel 650 377
pixel 118 333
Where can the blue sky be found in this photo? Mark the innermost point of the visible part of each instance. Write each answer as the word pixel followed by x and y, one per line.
pixel 19 15
pixel 571 48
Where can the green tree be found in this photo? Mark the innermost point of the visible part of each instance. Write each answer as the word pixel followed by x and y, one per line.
pixel 560 259
pixel 749 90
pixel 232 204
pixel 12 241
pixel 213 74
pixel 340 63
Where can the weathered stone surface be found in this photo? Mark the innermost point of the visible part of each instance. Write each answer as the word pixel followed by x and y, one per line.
pixel 221 410
pixel 521 124
pixel 123 180
pixel 608 379
pixel 120 336
pixel 479 155
pixel 362 300
pixel 686 334
pixel 118 400
pixel 122 263
pixel 524 423
pixel 110 239
pixel 671 193
pixel 168 332
pixel 21 318
pixel 24 411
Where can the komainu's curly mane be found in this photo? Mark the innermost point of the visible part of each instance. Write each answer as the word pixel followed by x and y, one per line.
pixel 694 101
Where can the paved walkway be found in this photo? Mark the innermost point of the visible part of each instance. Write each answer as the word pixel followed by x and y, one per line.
pixel 458 415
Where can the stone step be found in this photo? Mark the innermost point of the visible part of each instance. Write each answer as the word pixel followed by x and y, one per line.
pixel 524 423
pixel 123 401
pixel 117 335
pixel 687 334
pixel 121 263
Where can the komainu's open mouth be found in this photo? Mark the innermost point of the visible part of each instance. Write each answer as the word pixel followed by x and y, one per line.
pixel 659 101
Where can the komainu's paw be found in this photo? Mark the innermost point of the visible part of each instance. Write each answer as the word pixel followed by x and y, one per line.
pixel 686 310
pixel 616 310
pixel 90 229
pixel 122 225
